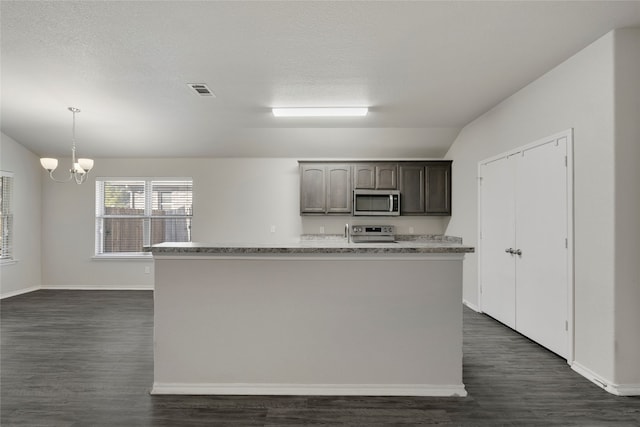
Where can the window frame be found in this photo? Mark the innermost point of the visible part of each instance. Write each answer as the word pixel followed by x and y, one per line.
pixel 7 241
pixel 147 216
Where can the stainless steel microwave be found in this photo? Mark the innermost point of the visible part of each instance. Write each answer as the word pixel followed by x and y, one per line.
pixel 376 202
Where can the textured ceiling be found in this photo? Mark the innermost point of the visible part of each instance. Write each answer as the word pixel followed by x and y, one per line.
pixel 425 69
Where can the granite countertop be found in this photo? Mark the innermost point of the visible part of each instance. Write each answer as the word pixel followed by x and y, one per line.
pixel 320 244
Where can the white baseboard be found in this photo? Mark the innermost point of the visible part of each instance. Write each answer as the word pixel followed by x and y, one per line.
pixel 617 389
pixel 100 288
pixel 471 306
pixel 591 376
pixel 19 292
pixel 626 389
pixel 311 389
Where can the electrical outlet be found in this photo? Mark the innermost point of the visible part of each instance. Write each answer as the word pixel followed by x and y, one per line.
pixel 147 270
pixel 273 228
pixel 321 230
pixel 410 230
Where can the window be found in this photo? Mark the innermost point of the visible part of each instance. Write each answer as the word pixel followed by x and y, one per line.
pixel 139 212
pixel 6 216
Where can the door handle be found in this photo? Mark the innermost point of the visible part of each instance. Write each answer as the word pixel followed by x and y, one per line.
pixel 513 251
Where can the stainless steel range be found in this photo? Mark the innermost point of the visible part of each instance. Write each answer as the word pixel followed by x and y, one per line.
pixel 373 233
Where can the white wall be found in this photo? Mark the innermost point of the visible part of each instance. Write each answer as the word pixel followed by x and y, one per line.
pixel 596 93
pixel 25 274
pixel 403 224
pixel 577 94
pixel 627 204
pixel 235 200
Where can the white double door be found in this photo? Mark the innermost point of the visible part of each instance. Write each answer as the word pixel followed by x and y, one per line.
pixel 524 246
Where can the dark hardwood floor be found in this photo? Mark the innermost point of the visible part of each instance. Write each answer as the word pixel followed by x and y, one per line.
pixel 85 358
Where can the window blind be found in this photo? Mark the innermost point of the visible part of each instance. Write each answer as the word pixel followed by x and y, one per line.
pixel 171 209
pixel 6 215
pixel 132 214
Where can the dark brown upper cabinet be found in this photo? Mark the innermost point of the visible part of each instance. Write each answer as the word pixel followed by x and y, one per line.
pixel 438 187
pixel 412 193
pixel 325 188
pixel 375 176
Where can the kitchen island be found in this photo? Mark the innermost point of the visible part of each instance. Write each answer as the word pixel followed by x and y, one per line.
pixel 315 317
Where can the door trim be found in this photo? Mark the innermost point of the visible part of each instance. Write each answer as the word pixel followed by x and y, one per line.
pixel 568 135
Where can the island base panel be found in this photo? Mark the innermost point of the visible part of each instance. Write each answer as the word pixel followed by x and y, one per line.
pixel 308 326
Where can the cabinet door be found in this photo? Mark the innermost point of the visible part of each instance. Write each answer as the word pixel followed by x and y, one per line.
pixel 438 185
pixel 412 201
pixel 339 194
pixel 376 176
pixel 312 189
pixel 386 176
pixel 364 176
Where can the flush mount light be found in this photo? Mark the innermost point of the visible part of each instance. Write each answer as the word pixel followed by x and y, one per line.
pixel 320 112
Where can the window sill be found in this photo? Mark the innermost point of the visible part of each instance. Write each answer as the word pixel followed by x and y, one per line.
pixel 8 261
pixel 123 257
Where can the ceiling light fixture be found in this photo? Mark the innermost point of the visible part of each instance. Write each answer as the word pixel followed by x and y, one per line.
pixel 320 112
pixel 79 167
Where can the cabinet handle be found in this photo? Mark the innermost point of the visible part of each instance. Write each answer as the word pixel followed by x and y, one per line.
pixel 518 252
pixel 509 251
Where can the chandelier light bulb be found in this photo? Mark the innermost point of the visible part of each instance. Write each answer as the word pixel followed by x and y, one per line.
pixel 49 164
pixel 86 164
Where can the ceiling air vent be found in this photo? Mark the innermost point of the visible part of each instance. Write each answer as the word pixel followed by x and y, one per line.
pixel 200 89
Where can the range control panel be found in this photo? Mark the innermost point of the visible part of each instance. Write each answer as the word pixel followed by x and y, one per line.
pixel 373 233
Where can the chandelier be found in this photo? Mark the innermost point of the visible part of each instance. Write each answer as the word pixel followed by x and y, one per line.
pixel 79 167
